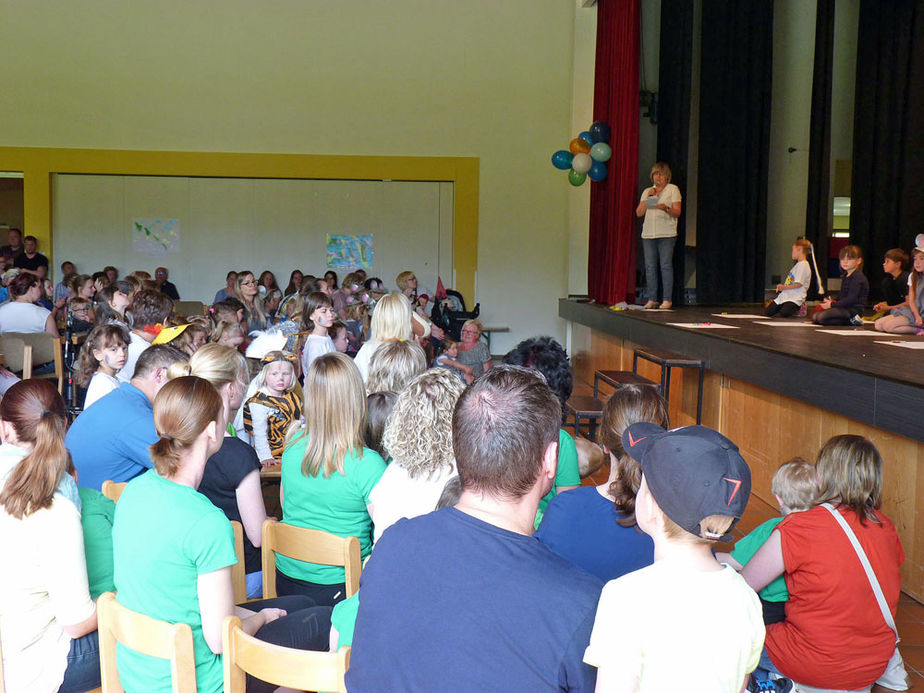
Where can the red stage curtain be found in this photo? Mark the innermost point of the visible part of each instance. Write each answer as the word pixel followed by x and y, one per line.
pixel 613 225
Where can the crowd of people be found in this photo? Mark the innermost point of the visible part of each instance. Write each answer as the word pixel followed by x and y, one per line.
pixel 489 566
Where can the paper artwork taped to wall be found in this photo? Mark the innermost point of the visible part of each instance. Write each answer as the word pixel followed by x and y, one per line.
pixel 156 237
pixel 349 252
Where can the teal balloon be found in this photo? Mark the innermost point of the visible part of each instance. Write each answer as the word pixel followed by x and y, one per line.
pixel 601 152
pixel 599 131
pixel 576 178
pixel 597 172
pixel 562 159
pixel 586 137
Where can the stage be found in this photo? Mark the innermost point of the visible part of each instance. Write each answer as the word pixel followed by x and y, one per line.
pixel 779 391
pixel 852 373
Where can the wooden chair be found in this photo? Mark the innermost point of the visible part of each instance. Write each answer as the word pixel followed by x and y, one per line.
pixel 188 309
pixel 113 489
pixel 46 348
pixel 171 641
pixel 17 354
pixel 311 545
pixel 303 670
pixel 238 570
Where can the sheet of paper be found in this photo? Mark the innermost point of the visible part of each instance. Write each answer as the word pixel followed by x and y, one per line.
pixel 853 333
pixel 740 316
pixel 904 345
pixel 769 323
pixel 704 325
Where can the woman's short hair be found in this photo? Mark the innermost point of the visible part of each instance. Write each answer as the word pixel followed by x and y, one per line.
pixel 183 408
pixel 548 357
pixel 21 283
pixel 394 363
pixel 335 414
pixel 418 433
pixel 391 318
pixel 662 167
pixel 628 405
pixel 38 415
pixel 149 308
pixel 849 469
pixel 402 279
pixel 474 322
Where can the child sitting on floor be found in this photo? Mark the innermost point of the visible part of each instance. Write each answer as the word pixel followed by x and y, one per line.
pixel 906 318
pixel 790 295
pixel 851 300
pixel 795 487
pixel 102 356
pixel 685 617
pixel 270 412
pixel 895 283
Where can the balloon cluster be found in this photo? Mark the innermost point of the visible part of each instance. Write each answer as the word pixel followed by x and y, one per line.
pixel 586 156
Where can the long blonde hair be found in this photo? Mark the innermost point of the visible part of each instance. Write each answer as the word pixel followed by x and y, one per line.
pixel 335 414
pixel 38 416
pixel 391 318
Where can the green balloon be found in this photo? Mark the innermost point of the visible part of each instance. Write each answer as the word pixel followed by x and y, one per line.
pixel 576 178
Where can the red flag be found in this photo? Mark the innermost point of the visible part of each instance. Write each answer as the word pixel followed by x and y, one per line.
pixel 440 290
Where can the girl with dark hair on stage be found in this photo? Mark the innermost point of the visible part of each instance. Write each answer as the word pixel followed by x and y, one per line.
pixel 848 308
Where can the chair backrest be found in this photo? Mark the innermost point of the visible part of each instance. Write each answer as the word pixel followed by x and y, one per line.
pixel 113 489
pixel 171 641
pixel 238 570
pixel 17 355
pixel 303 670
pixel 311 545
pixel 189 309
pixel 46 348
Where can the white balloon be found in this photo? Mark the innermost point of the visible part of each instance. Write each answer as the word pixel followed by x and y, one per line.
pixel 582 163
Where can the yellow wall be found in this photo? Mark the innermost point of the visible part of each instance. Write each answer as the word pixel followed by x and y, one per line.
pixel 489 79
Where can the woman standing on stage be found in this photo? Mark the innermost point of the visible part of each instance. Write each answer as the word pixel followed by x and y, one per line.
pixel 660 205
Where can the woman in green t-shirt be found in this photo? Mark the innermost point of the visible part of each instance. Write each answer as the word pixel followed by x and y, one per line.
pixel 173 550
pixel 327 475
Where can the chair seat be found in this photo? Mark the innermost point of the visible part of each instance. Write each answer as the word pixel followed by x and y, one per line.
pixel 619 378
pixel 663 357
pixel 585 406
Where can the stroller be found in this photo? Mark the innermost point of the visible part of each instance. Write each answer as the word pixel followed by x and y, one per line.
pixel 450 314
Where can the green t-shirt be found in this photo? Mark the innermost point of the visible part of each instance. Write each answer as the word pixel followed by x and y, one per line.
pixel 335 504
pixel 96 516
pixel 165 536
pixel 567 474
pixel 747 546
pixel 343 618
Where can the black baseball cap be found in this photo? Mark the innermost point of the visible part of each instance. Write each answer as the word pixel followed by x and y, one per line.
pixel 692 472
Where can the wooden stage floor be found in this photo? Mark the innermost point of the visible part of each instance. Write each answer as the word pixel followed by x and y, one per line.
pixel 854 371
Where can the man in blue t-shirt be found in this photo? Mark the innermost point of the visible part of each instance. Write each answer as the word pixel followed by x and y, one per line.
pixel 465 599
pixel 110 440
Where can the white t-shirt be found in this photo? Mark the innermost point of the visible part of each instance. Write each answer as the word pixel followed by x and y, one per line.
pixel 42 586
pixel 801 273
pixel 315 346
pixel 672 625
pixel 135 346
pixel 364 357
pixel 658 223
pixel 397 495
pixel 17 316
pixel 100 385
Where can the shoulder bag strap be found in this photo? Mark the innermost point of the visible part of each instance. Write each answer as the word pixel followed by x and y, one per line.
pixel 871 576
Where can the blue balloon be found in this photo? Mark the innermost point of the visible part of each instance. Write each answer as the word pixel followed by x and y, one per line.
pixel 586 137
pixel 599 132
pixel 597 172
pixel 562 159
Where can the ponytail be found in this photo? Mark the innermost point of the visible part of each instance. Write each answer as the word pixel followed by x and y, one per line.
pixel 38 416
pixel 178 369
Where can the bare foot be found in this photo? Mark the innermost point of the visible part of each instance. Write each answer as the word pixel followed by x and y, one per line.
pixel 666 305
pixel 650 305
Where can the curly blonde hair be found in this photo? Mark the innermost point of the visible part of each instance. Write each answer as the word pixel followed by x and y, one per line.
pixel 418 433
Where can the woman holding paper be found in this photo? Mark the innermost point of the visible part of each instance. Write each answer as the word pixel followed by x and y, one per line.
pixel 660 205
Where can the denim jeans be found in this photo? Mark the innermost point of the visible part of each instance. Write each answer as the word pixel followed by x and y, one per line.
pixel 659 253
pixel 82 673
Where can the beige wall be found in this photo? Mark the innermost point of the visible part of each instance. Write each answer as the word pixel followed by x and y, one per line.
pixel 485 78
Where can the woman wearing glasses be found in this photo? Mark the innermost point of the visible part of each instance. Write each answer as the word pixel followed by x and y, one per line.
pixel 472 351
pixel 247 292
